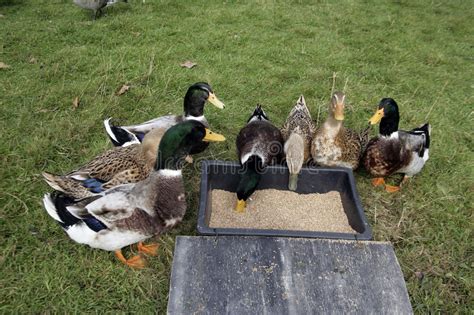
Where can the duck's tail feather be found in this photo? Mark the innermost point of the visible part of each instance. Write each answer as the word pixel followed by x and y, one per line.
pixel 58 206
pixel 69 186
pixel 120 136
pixel 424 130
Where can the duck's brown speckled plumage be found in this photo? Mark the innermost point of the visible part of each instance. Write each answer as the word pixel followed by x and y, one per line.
pixel 114 167
pixel 299 120
pixel 384 157
pixel 335 145
pixel 131 213
pixel 393 150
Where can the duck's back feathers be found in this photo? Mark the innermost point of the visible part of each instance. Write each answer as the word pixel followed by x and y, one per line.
pixel 123 215
pixel 117 166
pixel 300 117
pixel 401 152
pixel 260 138
pixel 111 162
pixel 342 148
pixel 122 136
pixel 385 155
pixel 299 120
pixel 351 142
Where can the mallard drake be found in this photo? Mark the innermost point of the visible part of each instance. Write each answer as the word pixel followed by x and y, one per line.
pixel 194 101
pixel 96 5
pixel 335 145
pixel 297 134
pixel 114 167
pixel 259 144
pixel 393 150
pixel 131 213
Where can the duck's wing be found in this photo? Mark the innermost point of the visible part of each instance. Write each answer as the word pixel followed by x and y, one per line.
pixel 108 221
pixel 106 165
pixel 121 164
pixel 120 137
pixel 415 140
pixel 115 204
pixel 127 135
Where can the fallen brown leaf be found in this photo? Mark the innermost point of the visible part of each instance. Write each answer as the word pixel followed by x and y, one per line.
pixel 75 103
pixel 188 64
pixel 4 65
pixel 123 89
pixel 136 34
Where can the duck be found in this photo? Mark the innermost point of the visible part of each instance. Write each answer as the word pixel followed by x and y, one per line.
pixel 335 145
pixel 259 144
pixel 114 167
pixel 297 134
pixel 132 213
pixel 395 151
pixel 96 5
pixel 194 100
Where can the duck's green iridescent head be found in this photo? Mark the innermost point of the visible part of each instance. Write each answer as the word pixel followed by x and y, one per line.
pixel 196 97
pixel 387 115
pixel 178 142
pixel 250 175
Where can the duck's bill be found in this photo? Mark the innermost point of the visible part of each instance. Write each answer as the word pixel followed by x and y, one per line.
pixel 240 207
pixel 377 117
pixel 215 101
pixel 339 112
pixel 213 137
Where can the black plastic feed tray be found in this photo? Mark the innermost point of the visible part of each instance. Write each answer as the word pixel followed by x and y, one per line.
pixel 225 176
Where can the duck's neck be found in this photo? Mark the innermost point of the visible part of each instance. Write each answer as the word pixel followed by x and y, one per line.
pixel 389 125
pixel 194 104
pixel 332 126
pixel 172 162
pixel 249 177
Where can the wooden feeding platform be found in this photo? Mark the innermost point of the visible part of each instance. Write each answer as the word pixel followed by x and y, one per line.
pixel 302 252
pixel 270 275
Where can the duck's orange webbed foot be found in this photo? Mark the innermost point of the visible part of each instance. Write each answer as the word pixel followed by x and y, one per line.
pixel 134 262
pixel 378 181
pixel 150 249
pixel 392 189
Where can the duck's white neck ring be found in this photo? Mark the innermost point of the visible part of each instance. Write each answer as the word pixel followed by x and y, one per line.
pixel 198 118
pixel 170 173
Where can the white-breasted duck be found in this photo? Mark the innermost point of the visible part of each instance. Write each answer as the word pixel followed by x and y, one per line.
pixel 259 144
pixel 393 150
pixel 132 213
pixel 194 100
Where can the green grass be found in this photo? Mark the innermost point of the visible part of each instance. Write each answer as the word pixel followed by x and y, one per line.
pixel 418 52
